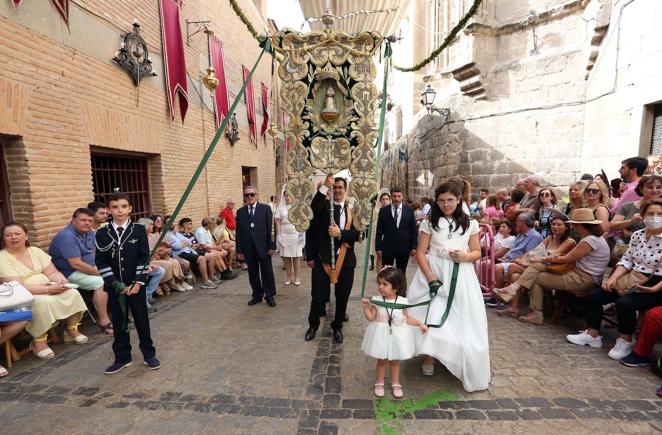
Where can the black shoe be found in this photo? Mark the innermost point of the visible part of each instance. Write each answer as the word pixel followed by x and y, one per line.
pixel 152 363
pixel 270 301
pixel 310 334
pixel 228 275
pixel 337 336
pixel 491 303
pixel 150 300
pixel 254 301
pixel 116 367
pixel 151 309
pixel 346 319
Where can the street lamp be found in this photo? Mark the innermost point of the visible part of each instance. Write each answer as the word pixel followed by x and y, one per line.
pixel 427 99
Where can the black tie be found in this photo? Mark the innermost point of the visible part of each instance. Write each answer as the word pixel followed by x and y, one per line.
pixel 336 214
pixel 250 213
pixel 396 217
pixel 120 230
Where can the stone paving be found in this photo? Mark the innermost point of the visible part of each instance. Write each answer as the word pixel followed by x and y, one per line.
pixel 230 368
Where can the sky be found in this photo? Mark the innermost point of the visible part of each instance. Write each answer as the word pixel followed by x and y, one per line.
pixel 286 13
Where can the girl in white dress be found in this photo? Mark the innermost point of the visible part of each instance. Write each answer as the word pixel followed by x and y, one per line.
pixel 290 241
pixel 461 343
pixel 388 336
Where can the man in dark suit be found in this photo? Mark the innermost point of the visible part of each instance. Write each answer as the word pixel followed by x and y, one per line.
pixel 318 253
pixel 256 245
pixel 396 236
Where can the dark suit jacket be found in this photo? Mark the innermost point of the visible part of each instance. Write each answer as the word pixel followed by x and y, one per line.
pixel 392 240
pixel 318 241
pixel 124 259
pixel 254 242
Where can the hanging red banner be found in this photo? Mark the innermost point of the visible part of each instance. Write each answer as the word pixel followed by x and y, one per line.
pixel 16 3
pixel 173 54
pixel 221 94
pixel 286 121
pixel 265 109
pixel 62 7
pixel 250 106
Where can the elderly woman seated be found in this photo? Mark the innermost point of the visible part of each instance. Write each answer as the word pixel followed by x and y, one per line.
pixel 173 279
pixel 557 243
pixel 590 258
pixel 224 238
pixel 635 285
pixel 54 300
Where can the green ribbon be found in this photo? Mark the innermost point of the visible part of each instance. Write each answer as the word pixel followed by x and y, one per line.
pixel 265 44
pixel 120 290
pixel 380 134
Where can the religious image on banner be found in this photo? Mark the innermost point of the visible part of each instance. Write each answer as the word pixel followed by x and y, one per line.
pixel 265 109
pixel 250 106
pixel 173 54
pixel 221 99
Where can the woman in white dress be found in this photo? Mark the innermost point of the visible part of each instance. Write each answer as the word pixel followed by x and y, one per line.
pixel 290 241
pixel 461 343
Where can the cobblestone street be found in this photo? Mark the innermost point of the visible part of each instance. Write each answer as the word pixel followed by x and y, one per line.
pixel 231 368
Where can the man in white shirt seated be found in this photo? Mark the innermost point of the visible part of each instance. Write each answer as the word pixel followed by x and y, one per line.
pixel 206 240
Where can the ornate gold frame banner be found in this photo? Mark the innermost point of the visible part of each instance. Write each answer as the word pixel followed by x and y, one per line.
pixel 330 98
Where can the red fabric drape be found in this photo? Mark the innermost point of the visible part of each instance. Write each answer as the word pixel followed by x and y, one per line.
pixel 265 109
pixel 221 95
pixel 250 106
pixel 173 53
pixel 288 143
pixel 16 3
pixel 62 7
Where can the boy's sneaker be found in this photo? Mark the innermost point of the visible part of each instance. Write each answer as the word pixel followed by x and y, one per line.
pixel 116 367
pixel 634 360
pixel 584 339
pixel 152 363
pixel 621 349
pixel 491 303
pixel 208 284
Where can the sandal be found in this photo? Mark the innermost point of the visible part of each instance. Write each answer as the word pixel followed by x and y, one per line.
pixel 288 282
pixel 44 353
pixel 105 329
pixel 379 389
pixel 159 292
pixel 505 294
pixel 508 312
pixel 77 339
pixel 3 372
pixel 297 283
pixel 396 389
pixel 534 317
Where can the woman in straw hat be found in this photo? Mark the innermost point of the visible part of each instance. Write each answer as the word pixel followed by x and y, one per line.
pixel 590 258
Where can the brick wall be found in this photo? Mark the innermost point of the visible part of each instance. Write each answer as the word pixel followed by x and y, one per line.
pixel 72 96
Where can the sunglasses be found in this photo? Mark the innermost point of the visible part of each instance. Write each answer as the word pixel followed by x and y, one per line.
pixel 546 194
pixel 593 191
pixel 246 195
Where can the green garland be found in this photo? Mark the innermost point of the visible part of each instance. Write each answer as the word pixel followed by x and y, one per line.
pixel 447 41
pixel 244 19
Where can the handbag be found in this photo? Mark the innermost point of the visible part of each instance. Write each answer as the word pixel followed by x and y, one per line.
pixel 560 268
pixel 13 295
pixel 629 280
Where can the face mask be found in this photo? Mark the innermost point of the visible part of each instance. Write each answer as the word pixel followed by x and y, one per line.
pixel 653 222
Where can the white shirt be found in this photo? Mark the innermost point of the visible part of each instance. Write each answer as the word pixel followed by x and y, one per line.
pixel 343 219
pixel 123 226
pixel 204 236
pixel 399 209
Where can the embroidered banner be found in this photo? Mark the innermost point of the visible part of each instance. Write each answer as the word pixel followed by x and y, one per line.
pixel 288 142
pixel 265 109
pixel 221 94
pixel 62 7
pixel 250 106
pixel 173 54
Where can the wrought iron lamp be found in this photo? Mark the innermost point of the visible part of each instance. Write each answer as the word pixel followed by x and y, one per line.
pixel 133 56
pixel 427 99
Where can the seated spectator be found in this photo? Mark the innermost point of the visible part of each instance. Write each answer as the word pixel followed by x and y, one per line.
pixel 590 258
pixel 503 239
pixel 616 188
pixel 558 242
pixel 631 171
pixel 10 327
pixel 527 239
pixel 531 203
pixel 597 199
pixel 474 206
pixel 173 276
pixel 547 209
pixel 206 240
pixel 635 285
pixel 53 300
pixel 158 224
pixel 181 247
pixel 493 210
pixel 649 334
pixel 100 218
pixel 516 196
pixel 504 198
pixel 483 194
pixel 628 219
pixel 72 251
pixel 228 214
pixel 576 196
pixel 185 265
pixel 426 207
pixel 223 239
pixel 214 259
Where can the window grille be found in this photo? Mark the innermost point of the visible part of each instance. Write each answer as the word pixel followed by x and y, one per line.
pixel 126 172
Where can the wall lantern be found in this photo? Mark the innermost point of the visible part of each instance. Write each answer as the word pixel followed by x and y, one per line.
pixel 427 99
pixel 133 56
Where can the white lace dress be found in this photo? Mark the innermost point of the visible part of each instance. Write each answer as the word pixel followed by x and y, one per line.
pixel 461 344
pixel 392 343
